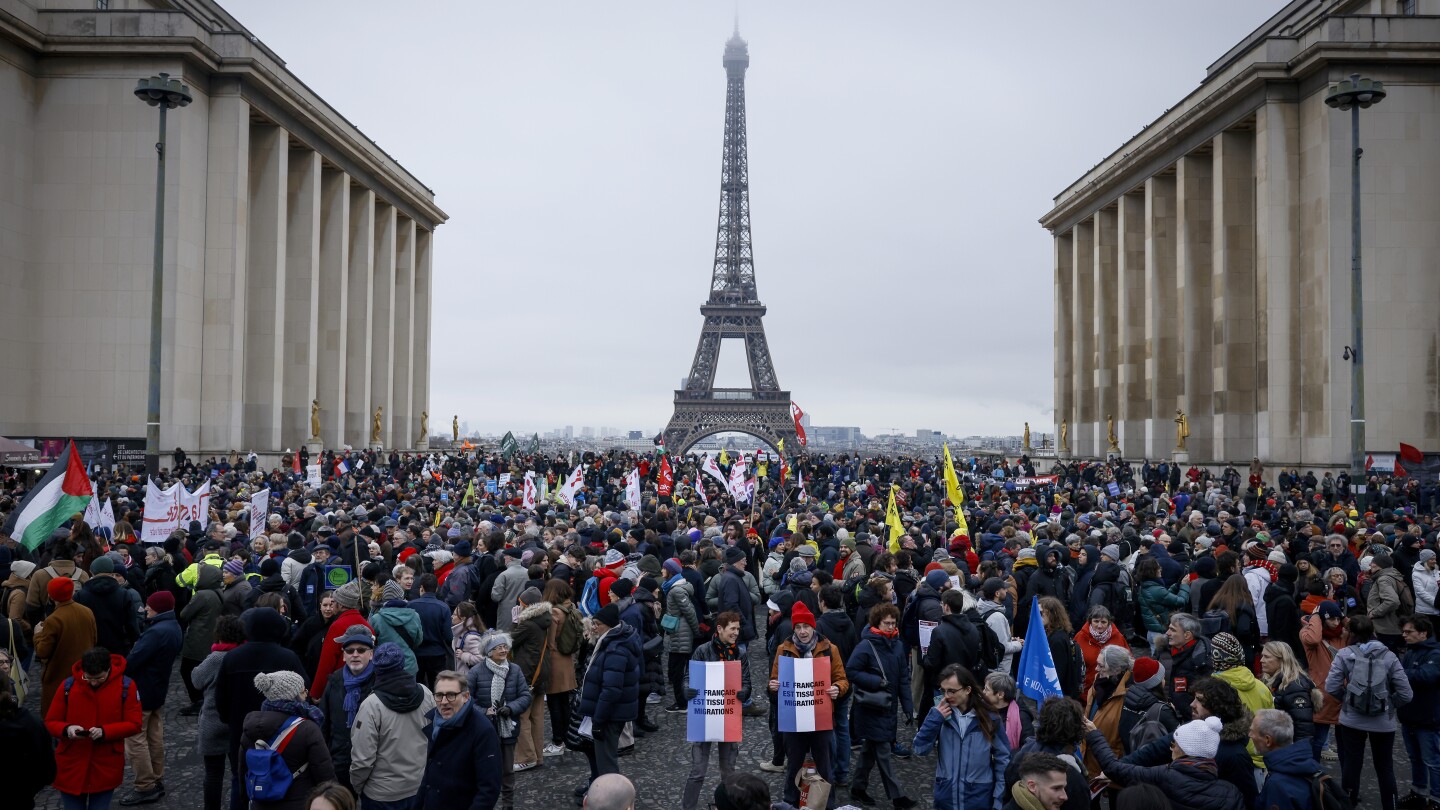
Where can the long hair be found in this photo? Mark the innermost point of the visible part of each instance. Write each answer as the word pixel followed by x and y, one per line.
pixel 1055 615
pixel 976 702
pixel 1290 669
pixel 1231 596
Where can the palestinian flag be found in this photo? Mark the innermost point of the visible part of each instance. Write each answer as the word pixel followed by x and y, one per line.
pixel 63 492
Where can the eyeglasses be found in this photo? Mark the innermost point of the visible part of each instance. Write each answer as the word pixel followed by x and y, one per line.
pixel 446 697
pixel 357 650
pixel 96 679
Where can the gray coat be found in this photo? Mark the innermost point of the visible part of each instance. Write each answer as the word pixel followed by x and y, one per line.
pixel 214 737
pixel 1399 685
pixel 505 593
pixel 201 613
pixel 681 602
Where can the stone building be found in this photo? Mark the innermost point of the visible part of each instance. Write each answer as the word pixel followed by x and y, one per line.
pixel 297 253
pixel 1205 264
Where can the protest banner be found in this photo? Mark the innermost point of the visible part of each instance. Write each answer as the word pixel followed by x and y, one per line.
pixel 312 476
pixel 804 703
pixel 259 509
pixel 194 506
pixel 927 629
pixel 714 715
pixel 162 513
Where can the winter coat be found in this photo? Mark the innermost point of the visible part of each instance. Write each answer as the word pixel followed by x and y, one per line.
pixel 1283 614
pixel 1077 784
pixel 610 689
pixel 1233 762
pixel 213 738
pixel 680 602
pixel 879 664
pixel 387 751
pixel 29 761
pixel 505 593
pixel 530 646
pixel 710 652
pixel 1258 578
pixel 462 767
pixel 1424 583
pixel 1187 667
pixel 306 748
pixel 1288 784
pixel 37 595
pixel 1394 674
pixel 1067 666
pixel 235 691
pixel 569 634
pixel 83 765
pixel 515 694
pixel 1319 655
pixel 117 625
pixel 1106 715
pixel 1422 669
pixel 294 609
pixel 1137 705
pixel 434 623
pixel 153 659
pixel 835 625
pixel 466 647
pixel 969 769
pixel 734 595
pixel 1090 649
pixel 1384 604
pixel 1191 783
pixel 955 640
pixel 64 636
pixel 923 606
pixel 1157 603
pixel 823 648
pixel 201 613
pixel 334 729
pixel 400 626
pixel 1297 699
pixel 233 597
pixel 330 655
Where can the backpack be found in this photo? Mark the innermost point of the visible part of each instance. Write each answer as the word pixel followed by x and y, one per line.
pixel 991 651
pixel 1147 729
pixel 1368 690
pixel 47 605
pixel 124 690
pixel 267 777
pixel 590 597
pixel 1214 622
pixel 457 586
pixel 1326 794
pixel 850 592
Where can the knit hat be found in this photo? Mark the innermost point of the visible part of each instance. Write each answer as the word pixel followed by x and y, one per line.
pixel 270 567
pixel 161 601
pixel 234 568
pixel 1112 551
pixel 1288 573
pixel 392 590
pixel 1329 609
pixel 609 615
pixel 462 548
pixel 1200 738
pixel 733 554
pixel 672 566
pixel 102 565
pixel 60 589
pixel 1226 652
pixel 1426 555
pixel 937 579
pixel 388 658
pixel 1278 557
pixel 24 568
pixel 490 641
pixel 622 587
pixel 1025 554
pixel 347 596
pixel 1148 673
pixel 613 556
pixel 530 596
pixel 280 685
pixel 356 634
pixel 799 614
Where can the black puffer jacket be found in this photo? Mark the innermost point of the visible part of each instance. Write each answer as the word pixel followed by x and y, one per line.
pixel 1138 703
pixel 1191 784
pixel 1297 700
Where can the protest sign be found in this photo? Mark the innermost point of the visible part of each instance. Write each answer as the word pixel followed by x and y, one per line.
pixel 312 476
pixel 927 629
pixel 804 702
pixel 162 513
pixel 259 509
pixel 714 715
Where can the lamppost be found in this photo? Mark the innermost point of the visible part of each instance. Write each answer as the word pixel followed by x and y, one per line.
pixel 1353 95
pixel 166 93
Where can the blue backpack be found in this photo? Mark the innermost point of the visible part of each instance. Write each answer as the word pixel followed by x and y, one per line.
pixel 267 777
pixel 590 597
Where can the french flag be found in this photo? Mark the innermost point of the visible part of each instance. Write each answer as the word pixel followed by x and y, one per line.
pixel 341 467
pixel 714 714
pixel 804 704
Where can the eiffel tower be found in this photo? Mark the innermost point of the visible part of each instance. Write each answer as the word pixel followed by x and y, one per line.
pixel 733 309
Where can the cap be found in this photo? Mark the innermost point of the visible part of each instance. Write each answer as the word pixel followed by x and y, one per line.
pixel 356 634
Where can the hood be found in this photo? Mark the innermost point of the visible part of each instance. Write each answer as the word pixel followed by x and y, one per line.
pixel 1295 759
pixel 117 669
pixel 1106 572
pixel 207 578
pixel 538 613
pixel 620 634
pixel 399 617
pixel 1238 730
pixel 265 624
pixel 101 586
pixel 275 584
pixel 1243 680
pixel 399 691
pixel 1092 559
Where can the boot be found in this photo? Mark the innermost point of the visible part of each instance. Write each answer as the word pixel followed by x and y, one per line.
pixel 642 723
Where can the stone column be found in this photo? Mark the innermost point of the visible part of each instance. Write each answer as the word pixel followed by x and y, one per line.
pixel 1278 376
pixel 1064 336
pixel 1233 290
pixel 302 298
pixel 382 323
pixel 1105 323
pixel 421 382
pixel 227 214
pixel 1164 364
pixel 265 294
pixel 1082 309
pixel 357 333
pixel 1194 191
pixel 331 357
pixel 1132 415
pixel 406 426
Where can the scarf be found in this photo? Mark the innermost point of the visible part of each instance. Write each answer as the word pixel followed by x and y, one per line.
pixel 886 633
pixel 670 583
pixel 505 726
pixel 1024 799
pixel 222 646
pixel 455 719
pixel 1101 638
pixel 295 708
pixel 1012 724
pixel 353 683
pixel 805 649
pixel 727 652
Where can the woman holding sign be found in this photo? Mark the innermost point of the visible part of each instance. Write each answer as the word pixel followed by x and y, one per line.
pixel 806 675
pixel 881 677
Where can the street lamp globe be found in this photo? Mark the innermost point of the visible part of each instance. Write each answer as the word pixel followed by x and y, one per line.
pixel 1355 92
pixel 162 89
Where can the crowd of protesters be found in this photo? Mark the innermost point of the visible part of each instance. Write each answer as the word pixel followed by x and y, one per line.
pixel 400 637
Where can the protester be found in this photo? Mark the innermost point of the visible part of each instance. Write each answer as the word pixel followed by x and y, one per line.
pixel 97 708
pixel 569 635
pixel 1289 766
pixel 150 664
pixel 1190 780
pixel 725 646
pixel 462 761
pixel 1370 684
pixel 214 737
pixel 305 755
pixel 62 638
pixel 610 689
pixel 804 642
pixel 1041 786
pixel 387 738
pixel 1420 722
pixel 1293 691
pixel 531 639
pixel 1098 632
pixel 29 761
pixel 879 677
pixel 199 616
pixel 972 751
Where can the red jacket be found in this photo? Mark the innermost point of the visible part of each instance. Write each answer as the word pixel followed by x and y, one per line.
pixel 83 765
pixel 330 655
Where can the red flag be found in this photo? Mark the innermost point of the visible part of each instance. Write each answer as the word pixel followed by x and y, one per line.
pixel 1411 454
pixel 295 464
pixel 666 485
pixel 797 415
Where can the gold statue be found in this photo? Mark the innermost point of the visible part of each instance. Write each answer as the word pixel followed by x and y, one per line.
pixel 1027 437
pixel 424 425
pixel 455 428
pixel 1110 434
pixel 1065 435
pixel 1182 429
pixel 315 419
pixel 375 425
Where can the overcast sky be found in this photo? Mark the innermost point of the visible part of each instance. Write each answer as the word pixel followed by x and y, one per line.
pixel 900 155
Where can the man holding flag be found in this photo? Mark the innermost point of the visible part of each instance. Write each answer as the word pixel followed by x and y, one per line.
pixel 710 657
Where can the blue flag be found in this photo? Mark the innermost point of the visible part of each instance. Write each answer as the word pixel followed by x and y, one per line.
pixel 1038 677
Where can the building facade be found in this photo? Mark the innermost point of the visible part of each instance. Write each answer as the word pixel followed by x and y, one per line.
pixel 1204 266
pixel 297 254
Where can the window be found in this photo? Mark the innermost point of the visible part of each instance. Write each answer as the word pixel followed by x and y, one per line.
pixel 102 5
pixel 1407 7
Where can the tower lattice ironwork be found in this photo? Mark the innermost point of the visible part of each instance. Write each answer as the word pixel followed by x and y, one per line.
pixel 733 309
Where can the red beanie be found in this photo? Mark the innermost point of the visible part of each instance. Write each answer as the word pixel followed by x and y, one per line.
pixel 801 615
pixel 60 589
pixel 1148 673
pixel 161 601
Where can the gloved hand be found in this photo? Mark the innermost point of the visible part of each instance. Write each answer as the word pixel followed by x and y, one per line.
pixel 691 694
pixel 503 711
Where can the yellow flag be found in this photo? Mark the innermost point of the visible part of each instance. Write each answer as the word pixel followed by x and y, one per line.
pixel 724 456
pixel 892 523
pixel 469 494
pixel 782 447
pixel 952 482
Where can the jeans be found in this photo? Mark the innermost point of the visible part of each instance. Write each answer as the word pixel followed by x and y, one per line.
pixel 840 739
pixel 700 763
pixel 1423 746
pixel 87 801
pixel 872 753
pixel 797 745
pixel 367 803
pixel 1317 742
pixel 1350 743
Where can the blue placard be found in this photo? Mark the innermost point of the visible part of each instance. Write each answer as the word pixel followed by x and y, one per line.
pixel 492 486
pixel 1114 489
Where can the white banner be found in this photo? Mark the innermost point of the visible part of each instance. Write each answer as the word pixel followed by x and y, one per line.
pixel 710 467
pixel 162 512
pixel 632 489
pixel 312 476
pixel 529 500
pixel 194 506
pixel 259 511
pixel 504 479
pixel 571 486
pixel 736 485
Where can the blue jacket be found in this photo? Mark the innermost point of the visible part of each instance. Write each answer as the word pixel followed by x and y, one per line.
pixel 864 669
pixel 435 623
pixel 1422 667
pixel 970 770
pixel 462 769
pixel 610 692
pixel 153 658
pixel 1287 781
pixel 515 693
